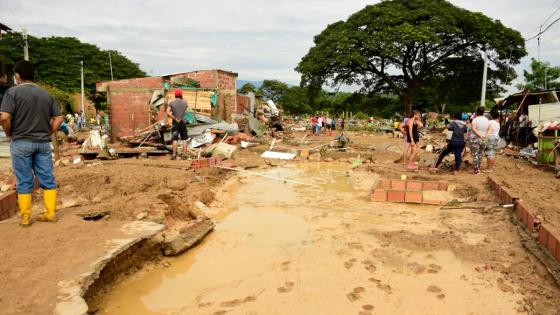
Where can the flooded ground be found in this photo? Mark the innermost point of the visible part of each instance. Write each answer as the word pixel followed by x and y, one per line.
pixel 282 248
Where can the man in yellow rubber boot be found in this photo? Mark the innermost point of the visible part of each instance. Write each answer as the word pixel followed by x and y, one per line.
pixel 30 115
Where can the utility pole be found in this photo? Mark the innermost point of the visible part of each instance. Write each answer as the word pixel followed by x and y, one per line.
pixel 545 78
pixel 484 79
pixel 111 66
pixel 539 45
pixel 25 45
pixel 82 77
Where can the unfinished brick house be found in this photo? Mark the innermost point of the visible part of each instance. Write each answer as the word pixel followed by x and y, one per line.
pixel 129 100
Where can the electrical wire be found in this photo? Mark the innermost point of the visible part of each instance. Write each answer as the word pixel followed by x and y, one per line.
pixel 543 31
pixel 543 23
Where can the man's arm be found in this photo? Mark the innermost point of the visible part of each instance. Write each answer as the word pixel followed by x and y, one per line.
pixel 170 113
pixel 6 119
pixel 55 123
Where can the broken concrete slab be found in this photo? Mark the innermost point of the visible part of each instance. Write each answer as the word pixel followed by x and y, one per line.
pixel 183 238
pixel 224 150
pixel 70 297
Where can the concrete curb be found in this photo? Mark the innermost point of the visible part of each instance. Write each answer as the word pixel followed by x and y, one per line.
pixel 549 241
pixel 71 291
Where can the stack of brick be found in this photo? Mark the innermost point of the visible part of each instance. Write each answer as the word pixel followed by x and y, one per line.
pixel 547 238
pixel 410 191
pixel 8 205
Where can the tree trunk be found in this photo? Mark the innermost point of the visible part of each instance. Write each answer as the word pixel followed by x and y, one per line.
pixel 406 99
pixel 441 105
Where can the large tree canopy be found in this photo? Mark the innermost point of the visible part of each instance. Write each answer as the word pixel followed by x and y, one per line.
pixel 397 46
pixel 57 61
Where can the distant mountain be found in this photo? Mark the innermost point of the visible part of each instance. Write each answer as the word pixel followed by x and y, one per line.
pixel 240 83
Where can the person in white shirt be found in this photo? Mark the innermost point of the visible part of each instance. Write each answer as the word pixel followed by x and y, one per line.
pixel 481 130
pixel 493 140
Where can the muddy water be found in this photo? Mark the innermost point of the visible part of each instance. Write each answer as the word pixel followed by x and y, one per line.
pixel 282 248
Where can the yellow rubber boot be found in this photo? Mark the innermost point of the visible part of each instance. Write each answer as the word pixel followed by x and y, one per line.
pixel 24 203
pixel 49 197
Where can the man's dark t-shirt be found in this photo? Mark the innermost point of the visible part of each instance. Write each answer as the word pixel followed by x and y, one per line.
pixel 31 108
pixel 178 108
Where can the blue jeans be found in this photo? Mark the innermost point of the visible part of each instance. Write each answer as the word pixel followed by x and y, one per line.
pixel 32 158
pixel 457 148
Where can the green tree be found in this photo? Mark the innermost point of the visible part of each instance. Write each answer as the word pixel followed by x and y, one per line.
pixel 459 83
pixel 248 87
pixel 399 45
pixel 57 61
pixel 274 90
pixel 540 71
pixel 296 101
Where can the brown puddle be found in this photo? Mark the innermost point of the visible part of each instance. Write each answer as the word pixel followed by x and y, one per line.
pixel 292 249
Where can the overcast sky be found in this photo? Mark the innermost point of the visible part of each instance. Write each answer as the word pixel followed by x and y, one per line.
pixel 259 39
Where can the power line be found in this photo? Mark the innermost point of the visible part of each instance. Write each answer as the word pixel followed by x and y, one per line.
pixel 543 31
pixel 550 16
pixel 538 27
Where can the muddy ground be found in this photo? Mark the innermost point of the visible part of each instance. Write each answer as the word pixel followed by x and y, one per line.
pixel 281 248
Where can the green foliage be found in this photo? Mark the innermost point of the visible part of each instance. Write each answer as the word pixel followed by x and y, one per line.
pixel 459 85
pixel 296 101
pixel 64 99
pixel 247 87
pixel 535 80
pixel 274 90
pixel 414 37
pixel 57 61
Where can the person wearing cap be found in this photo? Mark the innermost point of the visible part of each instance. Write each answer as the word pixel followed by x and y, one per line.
pixel 176 110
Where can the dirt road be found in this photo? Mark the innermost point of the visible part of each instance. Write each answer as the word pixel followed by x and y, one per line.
pixel 281 248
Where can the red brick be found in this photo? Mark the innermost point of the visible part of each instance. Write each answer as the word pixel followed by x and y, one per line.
pixel 552 244
pixel 397 184
pixel 530 221
pixel 395 195
pixel 524 215
pixel 384 184
pixel 430 186
pixel 543 236
pixel 379 195
pixel 443 186
pixel 413 197
pixel 5 203
pixel 414 185
pixel 493 183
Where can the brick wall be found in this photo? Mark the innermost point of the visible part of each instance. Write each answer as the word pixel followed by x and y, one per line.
pixel 211 79
pixel 224 81
pixel 129 103
pixel 243 104
pixel 546 235
pixel 8 205
pixel 129 99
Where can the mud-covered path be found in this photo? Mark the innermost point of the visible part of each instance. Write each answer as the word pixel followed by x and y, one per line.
pixel 281 248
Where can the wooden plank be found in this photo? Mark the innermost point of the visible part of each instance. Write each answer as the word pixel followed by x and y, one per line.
pixel 196 99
